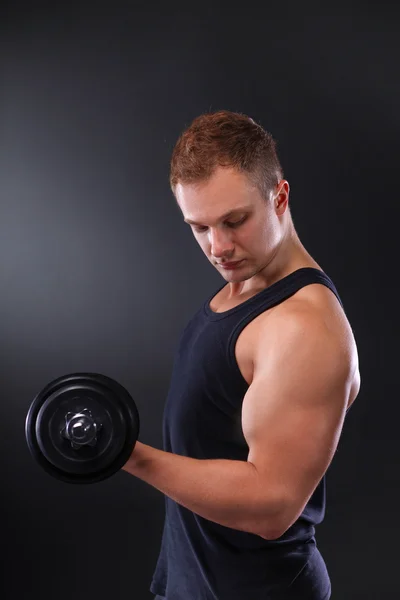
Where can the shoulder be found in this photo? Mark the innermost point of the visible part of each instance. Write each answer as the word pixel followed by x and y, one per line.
pixel 313 322
pixel 315 308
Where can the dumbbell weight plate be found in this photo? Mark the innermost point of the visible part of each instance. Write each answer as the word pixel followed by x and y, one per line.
pixel 82 427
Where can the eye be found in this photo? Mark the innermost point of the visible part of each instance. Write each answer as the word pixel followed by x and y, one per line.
pixel 234 224
pixel 231 224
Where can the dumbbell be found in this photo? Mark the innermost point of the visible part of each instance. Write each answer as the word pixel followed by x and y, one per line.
pixel 82 427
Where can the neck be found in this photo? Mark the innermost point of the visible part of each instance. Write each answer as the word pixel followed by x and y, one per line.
pixel 289 255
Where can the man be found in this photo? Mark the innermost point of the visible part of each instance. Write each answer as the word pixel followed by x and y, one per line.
pixel 263 377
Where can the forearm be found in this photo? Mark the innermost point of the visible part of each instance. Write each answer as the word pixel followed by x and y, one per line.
pixel 227 492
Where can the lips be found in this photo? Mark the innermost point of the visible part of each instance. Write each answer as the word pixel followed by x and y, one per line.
pixel 229 265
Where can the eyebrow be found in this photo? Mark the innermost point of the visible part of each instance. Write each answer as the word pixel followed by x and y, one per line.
pixel 225 216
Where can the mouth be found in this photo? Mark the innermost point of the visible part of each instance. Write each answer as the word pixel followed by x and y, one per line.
pixel 230 265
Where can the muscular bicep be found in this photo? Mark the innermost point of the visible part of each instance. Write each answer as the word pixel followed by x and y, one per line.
pixel 293 414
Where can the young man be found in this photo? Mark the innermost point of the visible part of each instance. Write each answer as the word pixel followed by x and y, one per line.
pixel 263 377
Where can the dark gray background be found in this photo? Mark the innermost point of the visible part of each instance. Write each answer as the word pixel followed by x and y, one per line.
pixel 99 272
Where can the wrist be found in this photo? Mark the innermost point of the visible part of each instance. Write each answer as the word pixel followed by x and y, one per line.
pixel 136 458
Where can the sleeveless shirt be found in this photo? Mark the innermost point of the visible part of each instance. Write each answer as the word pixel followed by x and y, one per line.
pixel 200 559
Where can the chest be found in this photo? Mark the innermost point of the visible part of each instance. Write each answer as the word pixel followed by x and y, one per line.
pixel 247 338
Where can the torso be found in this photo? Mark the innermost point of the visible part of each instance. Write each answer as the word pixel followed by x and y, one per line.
pixel 315 296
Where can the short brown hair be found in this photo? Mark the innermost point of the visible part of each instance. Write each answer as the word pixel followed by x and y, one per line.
pixel 225 139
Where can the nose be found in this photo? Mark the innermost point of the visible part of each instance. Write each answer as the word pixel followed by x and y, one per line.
pixel 221 243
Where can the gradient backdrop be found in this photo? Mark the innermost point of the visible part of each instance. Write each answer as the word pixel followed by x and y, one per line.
pixel 99 273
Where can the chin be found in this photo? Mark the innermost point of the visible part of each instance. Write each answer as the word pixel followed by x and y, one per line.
pixel 232 276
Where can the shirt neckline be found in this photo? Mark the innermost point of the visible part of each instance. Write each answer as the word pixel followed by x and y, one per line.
pixel 275 287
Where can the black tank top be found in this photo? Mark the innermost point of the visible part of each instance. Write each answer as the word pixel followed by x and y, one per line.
pixel 200 559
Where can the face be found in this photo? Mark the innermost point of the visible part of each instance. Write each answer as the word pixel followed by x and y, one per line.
pixel 232 222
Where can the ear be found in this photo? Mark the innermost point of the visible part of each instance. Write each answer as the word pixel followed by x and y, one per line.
pixel 281 197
